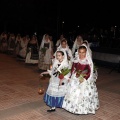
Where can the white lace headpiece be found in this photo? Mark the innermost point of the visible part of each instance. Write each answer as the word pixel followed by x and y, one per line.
pixel 64 62
pixel 88 58
pixel 60 46
pixel 88 46
pixel 43 41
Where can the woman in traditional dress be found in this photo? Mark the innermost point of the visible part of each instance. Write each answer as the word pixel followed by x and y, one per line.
pixel 32 51
pixel 57 84
pixel 78 41
pixel 82 94
pixel 17 44
pixel 45 53
pixel 23 45
pixel 11 44
pixel 3 43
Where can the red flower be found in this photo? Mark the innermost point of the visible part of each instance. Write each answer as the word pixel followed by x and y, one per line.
pixel 61 76
pixel 77 75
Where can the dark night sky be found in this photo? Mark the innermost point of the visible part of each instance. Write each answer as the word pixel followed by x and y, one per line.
pixel 43 15
pixel 95 12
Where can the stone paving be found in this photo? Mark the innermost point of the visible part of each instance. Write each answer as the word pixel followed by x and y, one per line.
pixel 19 98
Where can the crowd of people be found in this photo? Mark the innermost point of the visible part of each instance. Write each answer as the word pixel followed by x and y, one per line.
pixel 68 61
pixel 72 84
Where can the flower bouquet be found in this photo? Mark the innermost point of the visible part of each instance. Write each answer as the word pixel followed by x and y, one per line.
pixel 81 74
pixel 43 50
pixel 63 72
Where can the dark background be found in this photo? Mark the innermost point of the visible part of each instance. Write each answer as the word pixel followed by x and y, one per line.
pixel 47 16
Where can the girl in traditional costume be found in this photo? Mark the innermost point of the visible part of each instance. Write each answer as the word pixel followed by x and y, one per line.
pixel 82 94
pixel 58 81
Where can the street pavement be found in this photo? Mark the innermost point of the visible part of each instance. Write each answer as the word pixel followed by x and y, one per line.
pixel 19 98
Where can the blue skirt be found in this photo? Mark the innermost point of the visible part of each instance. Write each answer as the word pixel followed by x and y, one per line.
pixel 53 101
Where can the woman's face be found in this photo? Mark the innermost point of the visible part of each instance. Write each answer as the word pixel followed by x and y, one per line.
pixel 47 37
pixel 59 56
pixel 79 40
pixel 63 44
pixel 82 53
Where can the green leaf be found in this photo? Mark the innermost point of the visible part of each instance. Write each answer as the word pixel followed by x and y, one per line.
pixel 65 71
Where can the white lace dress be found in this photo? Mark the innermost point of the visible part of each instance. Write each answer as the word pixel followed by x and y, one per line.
pixel 81 98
